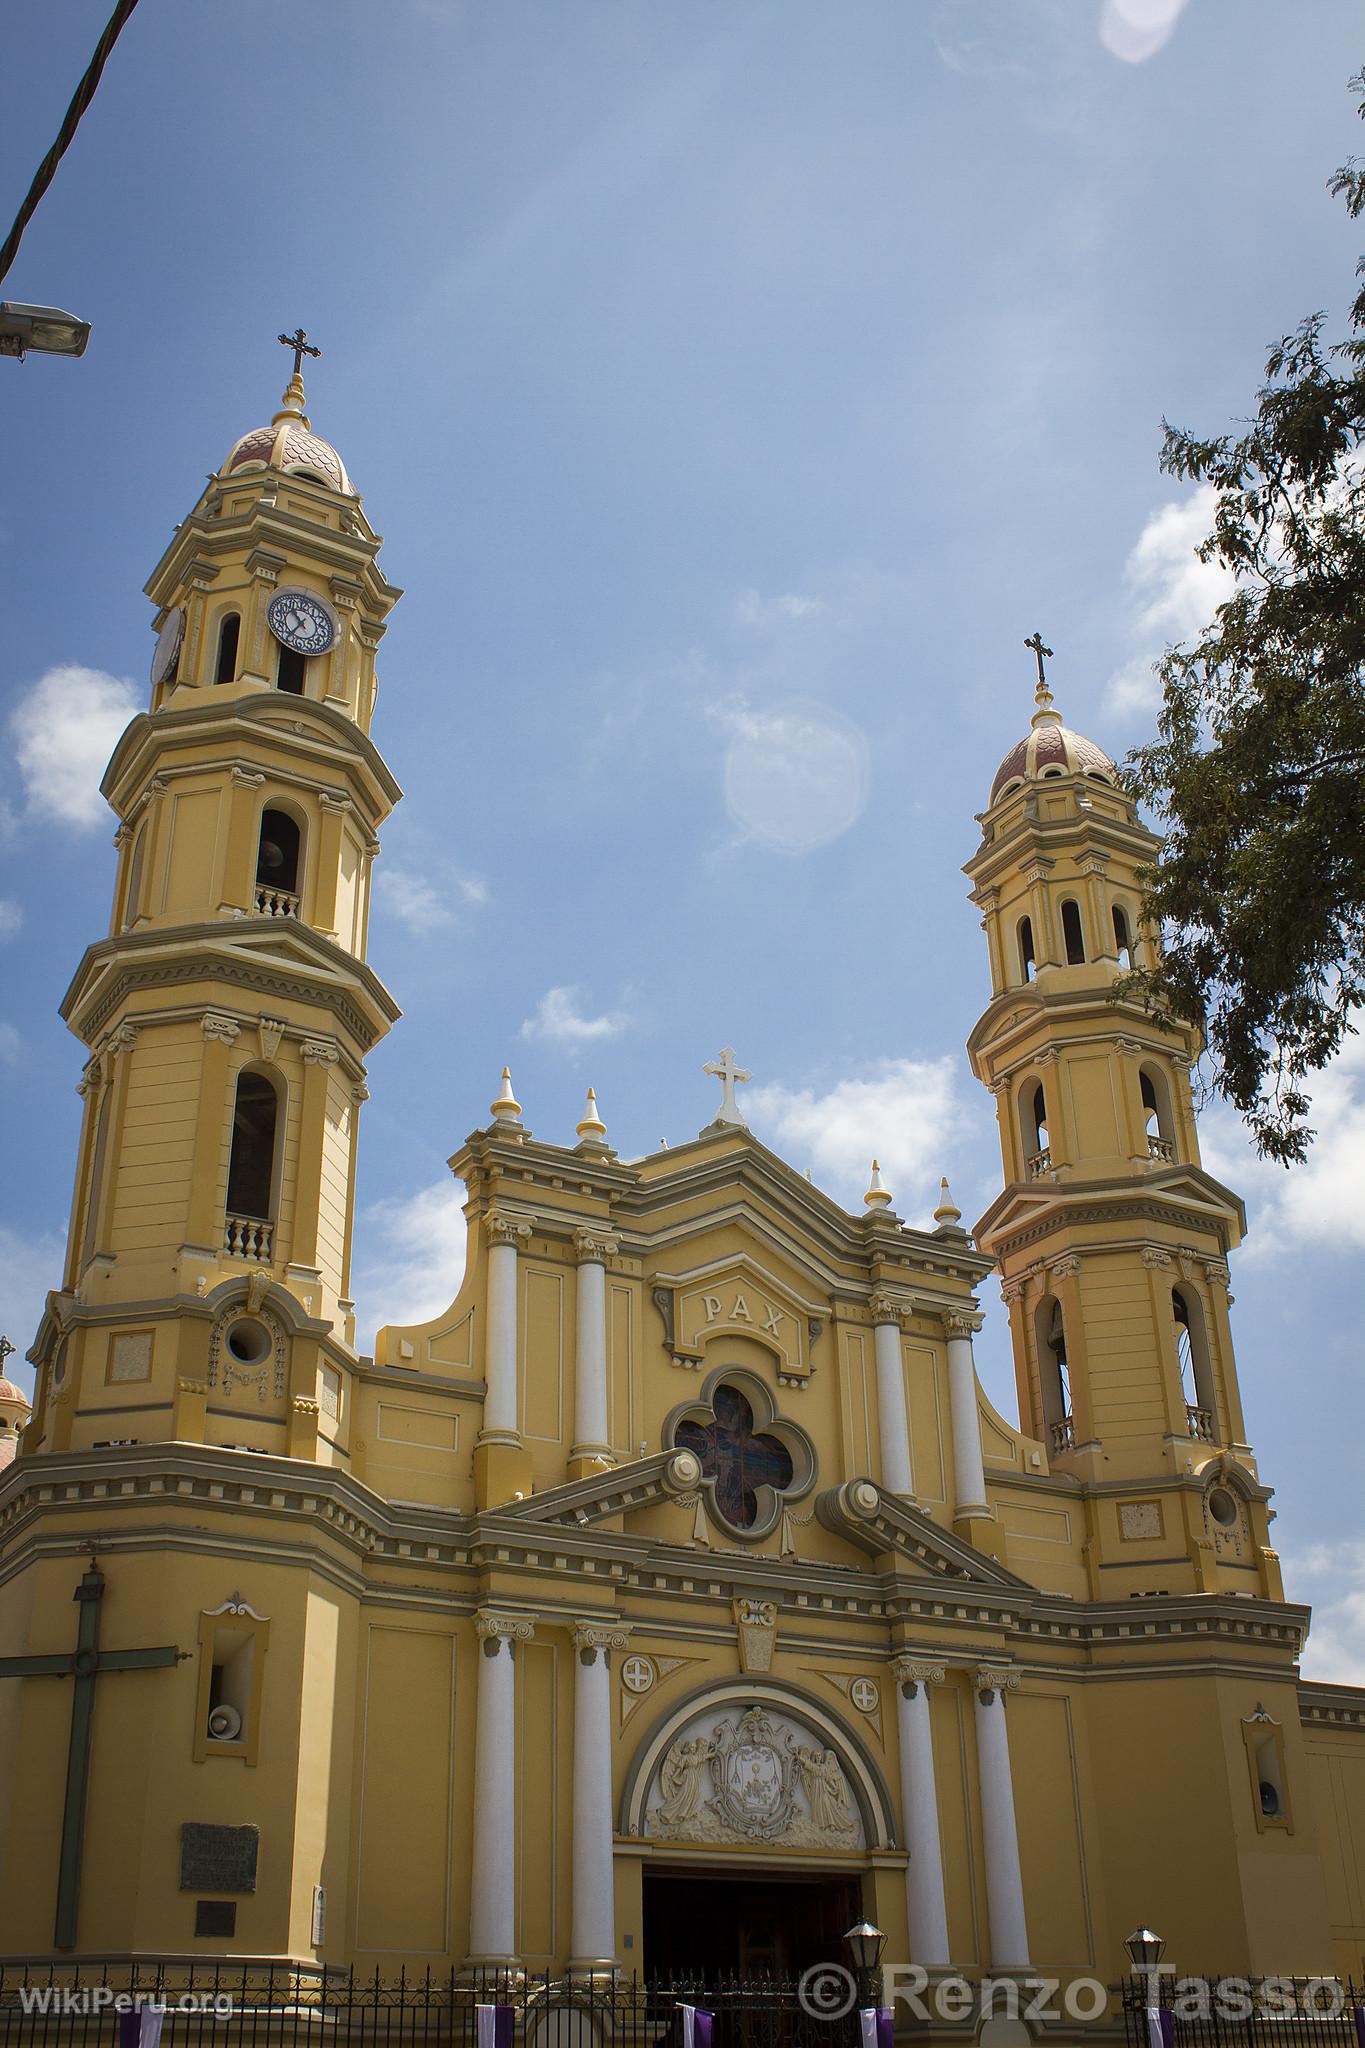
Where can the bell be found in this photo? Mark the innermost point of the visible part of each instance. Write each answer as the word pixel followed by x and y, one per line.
pixel 272 856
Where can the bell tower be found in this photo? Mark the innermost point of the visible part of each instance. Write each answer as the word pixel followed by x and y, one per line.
pixel 1110 1238
pixel 229 1011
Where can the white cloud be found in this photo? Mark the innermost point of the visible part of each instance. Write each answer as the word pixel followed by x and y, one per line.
pixel 64 732
pixel 414 1255
pixel 796 774
pixel 904 1113
pixel 29 1266
pixel 1321 1202
pixel 749 609
pixel 11 917
pixel 1136 29
pixel 1330 1577
pixel 1172 596
pixel 421 904
pixel 560 1020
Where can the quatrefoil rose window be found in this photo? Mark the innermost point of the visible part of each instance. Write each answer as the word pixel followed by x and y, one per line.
pixel 753 1462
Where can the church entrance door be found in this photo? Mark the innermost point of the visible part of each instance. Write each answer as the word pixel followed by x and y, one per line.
pixel 711 1924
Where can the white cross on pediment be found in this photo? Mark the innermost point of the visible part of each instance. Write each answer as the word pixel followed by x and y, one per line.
pixel 727 1073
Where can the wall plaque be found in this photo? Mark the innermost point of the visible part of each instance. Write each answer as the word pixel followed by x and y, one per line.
pixel 217 1859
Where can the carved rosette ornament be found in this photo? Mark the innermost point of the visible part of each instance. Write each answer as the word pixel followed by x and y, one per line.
pixel 494 1629
pixel 910 1675
pixel 989 1679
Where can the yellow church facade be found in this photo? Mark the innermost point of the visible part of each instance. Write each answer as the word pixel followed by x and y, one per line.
pixel 676 1598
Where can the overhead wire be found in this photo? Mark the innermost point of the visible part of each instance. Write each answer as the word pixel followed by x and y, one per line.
pixel 81 99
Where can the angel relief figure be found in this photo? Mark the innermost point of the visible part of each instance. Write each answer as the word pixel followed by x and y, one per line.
pixel 822 1778
pixel 682 1780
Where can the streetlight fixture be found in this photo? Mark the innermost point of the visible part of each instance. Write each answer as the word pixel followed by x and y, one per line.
pixel 865 1945
pixel 46 330
pixel 1145 1950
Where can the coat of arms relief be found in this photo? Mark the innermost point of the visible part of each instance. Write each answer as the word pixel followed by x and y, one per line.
pixel 757 1779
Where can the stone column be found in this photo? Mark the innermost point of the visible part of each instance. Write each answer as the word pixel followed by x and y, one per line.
pixel 1004 1882
pixel 928 1912
pixel 593 1918
pixel 969 1472
pixel 493 1891
pixel 591 1433
pixel 895 1424
pixel 505 1234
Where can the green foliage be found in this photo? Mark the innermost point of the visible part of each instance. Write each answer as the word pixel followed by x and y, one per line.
pixel 1258 772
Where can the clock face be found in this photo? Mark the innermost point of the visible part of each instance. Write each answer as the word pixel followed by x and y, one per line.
pixel 167 644
pixel 301 621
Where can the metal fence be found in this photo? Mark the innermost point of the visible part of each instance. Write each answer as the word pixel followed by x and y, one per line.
pixel 245 2004
pixel 1244 2012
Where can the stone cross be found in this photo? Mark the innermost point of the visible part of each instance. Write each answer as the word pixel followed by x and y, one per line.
pixel 83 1665
pixel 727 1073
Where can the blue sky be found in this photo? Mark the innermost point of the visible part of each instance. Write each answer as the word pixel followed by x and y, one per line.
pixel 736 385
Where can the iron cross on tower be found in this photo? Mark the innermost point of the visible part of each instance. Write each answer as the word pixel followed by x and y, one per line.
pixel 301 346
pixel 84 1665
pixel 1036 643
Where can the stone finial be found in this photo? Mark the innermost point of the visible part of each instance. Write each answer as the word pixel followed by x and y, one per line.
pixel 877 1196
pixel 590 1128
pixel 947 1211
pixel 505 1107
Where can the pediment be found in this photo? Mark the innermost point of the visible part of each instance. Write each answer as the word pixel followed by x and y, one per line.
pixel 1181 1195
pixel 882 1523
pixel 738 1295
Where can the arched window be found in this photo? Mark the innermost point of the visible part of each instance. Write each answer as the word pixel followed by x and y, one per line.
pixel 251 1172
pixel 1196 1374
pixel 228 635
pixel 1072 935
pixel 1156 1114
pixel 291 671
pixel 1037 1144
pixel 1123 937
pixel 278 862
pixel 1026 957
pixel 1053 1372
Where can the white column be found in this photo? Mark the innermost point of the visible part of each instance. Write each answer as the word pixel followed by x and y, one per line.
pixel 1004 1883
pixel 593 1918
pixel 895 1426
pixel 590 1429
pixel 969 1473
pixel 493 1893
pixel 500 1343
pixel 928 1910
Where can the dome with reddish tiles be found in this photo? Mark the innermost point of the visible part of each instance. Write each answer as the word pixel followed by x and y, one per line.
pixel 289 443
pixel 1051 748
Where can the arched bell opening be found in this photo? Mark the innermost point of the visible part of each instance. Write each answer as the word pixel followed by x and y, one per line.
pixel 253 1166
pixel 279 864
pixel 1054 1374
pixel 1196 1369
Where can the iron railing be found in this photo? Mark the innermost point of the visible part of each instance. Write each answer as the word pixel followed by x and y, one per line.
pixel 272 2004
pixel 1244 2012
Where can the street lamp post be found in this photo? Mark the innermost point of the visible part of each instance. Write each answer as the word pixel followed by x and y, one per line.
pixel 865 1945
pixel 40 330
